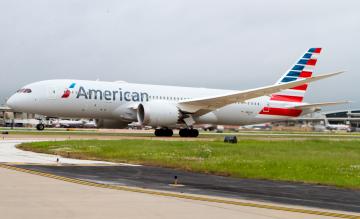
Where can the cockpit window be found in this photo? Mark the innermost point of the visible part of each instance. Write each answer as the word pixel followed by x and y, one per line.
pixel 24 90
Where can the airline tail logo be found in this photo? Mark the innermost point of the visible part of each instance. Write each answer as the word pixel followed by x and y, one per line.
pixel 67 92
pixel 303 68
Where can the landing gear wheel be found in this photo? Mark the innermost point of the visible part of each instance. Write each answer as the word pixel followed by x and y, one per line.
pixel 158 132
pixel 189 133
pixel 169 132
pixel 194 133
pixel 164 132
pixel 40 127
pixel 183 132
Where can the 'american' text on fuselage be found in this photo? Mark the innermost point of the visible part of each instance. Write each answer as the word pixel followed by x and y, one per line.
pixel 112 95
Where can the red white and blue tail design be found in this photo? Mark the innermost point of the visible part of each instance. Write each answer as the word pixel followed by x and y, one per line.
pixel 303 68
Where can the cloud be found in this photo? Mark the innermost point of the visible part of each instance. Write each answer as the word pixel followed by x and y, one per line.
pixel 230 45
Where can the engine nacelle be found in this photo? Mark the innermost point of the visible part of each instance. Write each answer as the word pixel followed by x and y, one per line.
pixel 157 113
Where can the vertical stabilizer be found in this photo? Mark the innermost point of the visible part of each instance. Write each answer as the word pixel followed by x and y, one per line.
pixel 303 68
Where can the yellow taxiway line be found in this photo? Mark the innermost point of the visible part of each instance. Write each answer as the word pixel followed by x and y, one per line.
pixel 182 196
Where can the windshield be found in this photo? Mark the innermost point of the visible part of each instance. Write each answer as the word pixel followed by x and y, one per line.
pixel 24 90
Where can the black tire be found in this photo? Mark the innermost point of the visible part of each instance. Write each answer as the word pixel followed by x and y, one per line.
pixel 158 132
pixel 189 133
pixel 40 127
pixel 194 133
pixel 164 132
pixel 169 132
pixel 184 133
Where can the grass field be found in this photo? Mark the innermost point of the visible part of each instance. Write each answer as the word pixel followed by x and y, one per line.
pixel 204 135
pixel 312 161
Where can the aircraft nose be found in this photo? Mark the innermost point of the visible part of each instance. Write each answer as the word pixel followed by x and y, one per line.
pixel 13 102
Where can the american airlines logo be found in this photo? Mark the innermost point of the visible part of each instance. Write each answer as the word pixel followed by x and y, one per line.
pixel 68 92
pixel 112 95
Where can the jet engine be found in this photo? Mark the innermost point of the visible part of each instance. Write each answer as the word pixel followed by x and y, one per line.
pixel 158 114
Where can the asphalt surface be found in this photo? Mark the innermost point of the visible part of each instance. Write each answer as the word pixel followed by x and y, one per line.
pixel 31 196
pixel 318 196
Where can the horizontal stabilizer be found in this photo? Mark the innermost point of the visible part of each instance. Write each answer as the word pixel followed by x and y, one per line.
pixel 316 105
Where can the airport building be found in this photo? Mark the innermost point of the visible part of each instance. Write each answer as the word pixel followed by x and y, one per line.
pixel 2 118
pixel 349 118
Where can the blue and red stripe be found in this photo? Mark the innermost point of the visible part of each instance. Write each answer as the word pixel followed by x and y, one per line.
pixel 315 50
pixel 293 73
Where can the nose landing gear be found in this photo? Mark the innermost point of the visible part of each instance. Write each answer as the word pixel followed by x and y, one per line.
pixel 40 127
pixel 189 133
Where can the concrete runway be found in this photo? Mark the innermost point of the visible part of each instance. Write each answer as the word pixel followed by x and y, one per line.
pixel 9 153
pixel 35 197
pixel 325 197
pixel 136 205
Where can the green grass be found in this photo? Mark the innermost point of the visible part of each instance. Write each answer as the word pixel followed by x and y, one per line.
pixel 277 135
pixel 312 161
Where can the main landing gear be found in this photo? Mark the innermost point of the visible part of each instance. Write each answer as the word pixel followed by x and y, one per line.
pixel 164 132
pixel 189 133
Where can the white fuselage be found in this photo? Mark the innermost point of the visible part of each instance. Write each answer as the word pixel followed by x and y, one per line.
pixel 119 100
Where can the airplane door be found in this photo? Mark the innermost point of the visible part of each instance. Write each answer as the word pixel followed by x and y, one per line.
pixel 266 108
pixel 54 92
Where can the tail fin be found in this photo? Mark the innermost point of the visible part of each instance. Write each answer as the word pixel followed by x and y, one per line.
pixel 302 69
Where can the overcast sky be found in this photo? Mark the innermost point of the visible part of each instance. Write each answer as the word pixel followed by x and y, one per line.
pixel 217 44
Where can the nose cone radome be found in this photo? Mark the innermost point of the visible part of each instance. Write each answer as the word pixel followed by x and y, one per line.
pixel 19 102
pixel 13 102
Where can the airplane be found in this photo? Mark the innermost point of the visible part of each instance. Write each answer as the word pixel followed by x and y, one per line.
pixel 116 104
pixel 66 123
pixel 334 127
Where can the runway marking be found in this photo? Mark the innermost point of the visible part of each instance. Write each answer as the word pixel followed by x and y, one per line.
pixel 181 196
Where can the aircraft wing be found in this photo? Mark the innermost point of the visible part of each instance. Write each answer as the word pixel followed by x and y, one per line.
pixel 316 105
pixel 200 106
